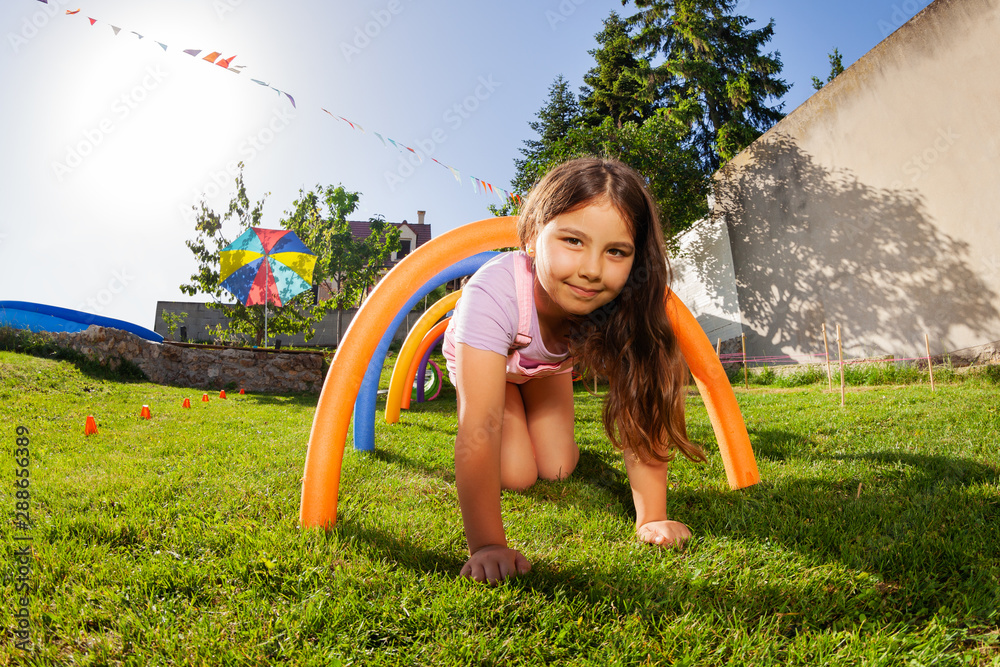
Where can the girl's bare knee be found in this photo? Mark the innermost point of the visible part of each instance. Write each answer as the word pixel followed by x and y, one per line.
pixel 560 467
pixel 518 480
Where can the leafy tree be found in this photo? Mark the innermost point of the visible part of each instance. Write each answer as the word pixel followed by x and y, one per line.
pixel 614 87
pixel 655 148
pixel 836 69
pixel 375 251
pixel 341 262
pixel 346 266
pixel 709 56
pixel 654 142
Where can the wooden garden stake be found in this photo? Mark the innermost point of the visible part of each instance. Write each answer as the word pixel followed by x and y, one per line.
pixel 746 380
pixel 826 348
pixel 718 348
pixel 840 356
pixel 930 366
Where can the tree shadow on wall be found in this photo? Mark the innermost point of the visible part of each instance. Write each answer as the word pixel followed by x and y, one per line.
pixel 813 246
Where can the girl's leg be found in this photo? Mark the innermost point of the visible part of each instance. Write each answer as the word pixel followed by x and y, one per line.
pixel 537 440
pixel 517 457
pixel 548 409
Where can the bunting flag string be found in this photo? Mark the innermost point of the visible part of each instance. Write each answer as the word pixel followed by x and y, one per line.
pixel 479 186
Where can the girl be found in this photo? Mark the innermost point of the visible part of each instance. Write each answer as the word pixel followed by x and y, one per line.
pixel 588 289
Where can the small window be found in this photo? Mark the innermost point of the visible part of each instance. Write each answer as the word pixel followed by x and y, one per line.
pixel 404 248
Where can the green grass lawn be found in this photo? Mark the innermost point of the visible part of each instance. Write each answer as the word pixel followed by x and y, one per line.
pixel 873 539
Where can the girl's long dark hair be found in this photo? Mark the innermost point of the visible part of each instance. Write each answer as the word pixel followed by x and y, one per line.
pixel 629 341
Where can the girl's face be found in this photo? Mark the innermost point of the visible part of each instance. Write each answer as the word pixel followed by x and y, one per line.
pixel 582 260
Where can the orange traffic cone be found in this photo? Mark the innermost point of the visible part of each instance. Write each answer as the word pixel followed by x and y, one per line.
pixel 204 398
pixel 242 391
pixel 145 413
pixel 187 403
pixel 222 394
pixel 90 428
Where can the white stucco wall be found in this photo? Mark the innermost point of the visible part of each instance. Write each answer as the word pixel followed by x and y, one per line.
pixel 876 204
pixel 704 280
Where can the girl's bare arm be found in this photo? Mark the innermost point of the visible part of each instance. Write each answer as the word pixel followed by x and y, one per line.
pixel 481 386
pixel 648 480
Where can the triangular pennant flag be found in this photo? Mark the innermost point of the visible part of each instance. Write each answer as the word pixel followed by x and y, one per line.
pixel 330 114
pixel 163 45
pixel 45 1
pixel 192 52
pixel 292 99
pixel 381 139
pixel 212 56
pixel 135 33
pixel 474 188
pixel 70 13
pixel 261 83
pixel 225 63
pixel 92 21
pixel 116 29
pixel 454 172
pixel 490 187
pixel 237 69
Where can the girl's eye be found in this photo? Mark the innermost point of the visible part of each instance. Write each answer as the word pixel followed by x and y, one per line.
pixel 573 241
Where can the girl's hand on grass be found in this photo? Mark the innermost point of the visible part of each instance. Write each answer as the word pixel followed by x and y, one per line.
pixel 664 533
pixel 493 563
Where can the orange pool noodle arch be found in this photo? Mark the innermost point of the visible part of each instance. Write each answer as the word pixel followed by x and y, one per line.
pixel 321 477
pixel 717 394
pixel 425 344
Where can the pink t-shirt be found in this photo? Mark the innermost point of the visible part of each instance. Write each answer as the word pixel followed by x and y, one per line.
pixel 486 317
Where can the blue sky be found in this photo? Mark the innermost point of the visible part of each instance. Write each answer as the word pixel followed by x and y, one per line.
pixel 109 139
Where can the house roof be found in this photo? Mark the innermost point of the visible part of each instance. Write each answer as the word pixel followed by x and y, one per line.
pixel 361 230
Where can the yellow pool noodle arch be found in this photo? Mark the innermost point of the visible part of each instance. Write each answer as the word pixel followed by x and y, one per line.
pixel 324 457
pixel 426 342
pixel 397 385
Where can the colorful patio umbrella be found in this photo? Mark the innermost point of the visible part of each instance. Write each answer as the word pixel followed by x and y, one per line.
pixel 266 266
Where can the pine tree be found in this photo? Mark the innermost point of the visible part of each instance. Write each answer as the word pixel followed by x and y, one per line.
pixel 836 69
pixel 710 56
pixel 614 86
pixel 559 115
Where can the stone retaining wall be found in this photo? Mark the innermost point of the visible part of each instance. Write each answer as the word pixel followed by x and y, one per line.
pixel 167 363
